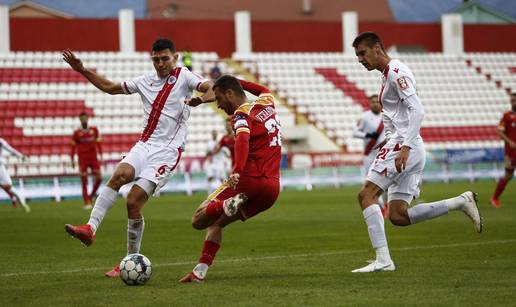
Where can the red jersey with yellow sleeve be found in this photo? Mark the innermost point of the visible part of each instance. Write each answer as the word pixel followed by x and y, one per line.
pixel 257 131
pixel 86 142
pixel 508 125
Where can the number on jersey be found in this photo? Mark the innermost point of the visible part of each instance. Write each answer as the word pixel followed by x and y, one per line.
pixel 274 129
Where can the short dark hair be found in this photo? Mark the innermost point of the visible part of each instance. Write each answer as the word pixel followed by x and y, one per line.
pixel 373 96
pixel 369 38
pixel 513 94
pixel 162 44
pixel 83 114
pixel 227 82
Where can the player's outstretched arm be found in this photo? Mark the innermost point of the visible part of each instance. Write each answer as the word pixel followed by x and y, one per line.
pixel 100 82
pixel 254 88
pixel 208 96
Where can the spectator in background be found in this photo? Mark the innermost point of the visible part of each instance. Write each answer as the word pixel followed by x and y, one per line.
pixel 507 132
pixel 5 180
pixel 187 59
pixel 215 72
pixel 86 141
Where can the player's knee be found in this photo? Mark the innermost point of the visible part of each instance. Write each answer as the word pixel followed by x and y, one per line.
pixel 196 224
pixel 509 175
pixel 399 219
pixel 364 198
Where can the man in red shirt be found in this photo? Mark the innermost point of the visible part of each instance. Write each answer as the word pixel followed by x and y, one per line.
pixel 253 185
pixel 507 132
pixel 86 141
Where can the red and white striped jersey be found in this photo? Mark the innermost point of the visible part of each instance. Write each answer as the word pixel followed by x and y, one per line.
pixel 165 113
pixel 369 123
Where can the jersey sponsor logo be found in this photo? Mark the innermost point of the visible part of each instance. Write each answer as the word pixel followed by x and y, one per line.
pixel 241 123
pixel 402 83
pixel 171 80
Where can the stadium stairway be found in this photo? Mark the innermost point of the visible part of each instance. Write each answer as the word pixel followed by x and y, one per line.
pixel 462 107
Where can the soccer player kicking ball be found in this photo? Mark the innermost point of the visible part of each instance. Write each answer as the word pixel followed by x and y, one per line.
pixel 399 164
pixel 153 158
pixel 253 186
pixel 507 132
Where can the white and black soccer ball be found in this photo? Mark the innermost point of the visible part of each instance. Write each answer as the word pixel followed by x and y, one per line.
pixel 135 269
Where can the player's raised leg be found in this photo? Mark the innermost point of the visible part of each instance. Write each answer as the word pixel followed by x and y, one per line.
pixel 123 174
pixel 368 199
pixel 466 202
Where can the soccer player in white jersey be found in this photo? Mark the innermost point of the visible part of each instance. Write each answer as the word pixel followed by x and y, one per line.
pixel 218 160
pixel 5 180
pixel 399 164
pixel 152 160
pixel 370 129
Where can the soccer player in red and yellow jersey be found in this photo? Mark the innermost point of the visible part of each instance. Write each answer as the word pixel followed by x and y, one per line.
pixel 253 186
pixel 507 132
pixel 86 141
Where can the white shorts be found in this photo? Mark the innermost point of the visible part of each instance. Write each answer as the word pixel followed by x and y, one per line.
pixel 155 163
pixel 216 170
pixel 5 179
pixel 401 186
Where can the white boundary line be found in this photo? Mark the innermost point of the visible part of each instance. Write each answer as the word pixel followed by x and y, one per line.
pixel 345 252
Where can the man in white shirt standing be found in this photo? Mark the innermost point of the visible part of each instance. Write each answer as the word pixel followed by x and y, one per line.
pixel 152 160
pixel 370 129
pixel 399 164
pixel 6 182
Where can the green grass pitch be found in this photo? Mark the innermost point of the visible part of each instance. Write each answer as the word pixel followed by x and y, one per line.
pixel 299 253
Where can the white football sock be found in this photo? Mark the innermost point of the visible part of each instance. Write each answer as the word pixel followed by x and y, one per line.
pixel 423 212
pixel 376 229
pixel 201 270
pixel 104 202
pixel 135 229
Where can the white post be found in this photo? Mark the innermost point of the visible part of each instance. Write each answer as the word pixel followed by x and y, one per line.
pixel 4 29
pixel 243 32
pixel 349 31
pixel 126 30
pixel 452 34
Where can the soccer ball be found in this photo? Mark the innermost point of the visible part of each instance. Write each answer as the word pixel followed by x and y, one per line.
pixel 135 269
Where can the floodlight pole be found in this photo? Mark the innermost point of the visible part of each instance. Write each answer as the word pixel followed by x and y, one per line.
pixel 349 31
pixel 452 34
pixel 243 32
pixel 5 46
pixel 126 30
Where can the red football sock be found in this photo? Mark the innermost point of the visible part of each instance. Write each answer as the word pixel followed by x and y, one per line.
pixel 500 187
pixel 209 250
pixel 214 208
pixel 84 182
pixel 95 188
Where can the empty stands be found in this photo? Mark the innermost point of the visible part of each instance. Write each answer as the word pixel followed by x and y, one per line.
pixel 462 107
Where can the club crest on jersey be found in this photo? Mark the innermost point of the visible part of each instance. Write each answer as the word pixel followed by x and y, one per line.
pixel 171 80
pixel 402 83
